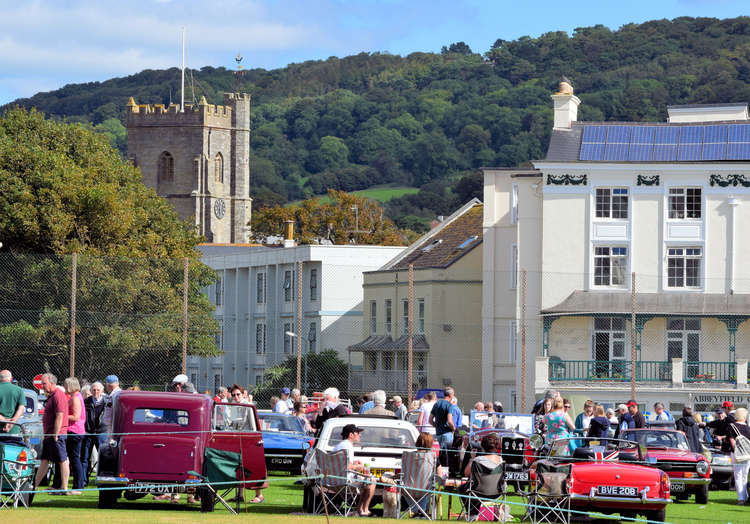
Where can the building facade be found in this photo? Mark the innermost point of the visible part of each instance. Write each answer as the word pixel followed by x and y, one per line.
pixel 256 305
pixel 446 314
pixel 666 204
pixel 199 160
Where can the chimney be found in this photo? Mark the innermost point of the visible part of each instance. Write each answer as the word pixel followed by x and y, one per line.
pixel 566 105
pixel 289 233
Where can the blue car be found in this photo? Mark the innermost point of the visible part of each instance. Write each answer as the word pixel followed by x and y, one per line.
pixel 284 440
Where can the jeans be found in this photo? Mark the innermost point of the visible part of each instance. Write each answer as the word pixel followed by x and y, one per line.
pixel 740 478
pixel 73 446
pixel 446 441
pixel 89 443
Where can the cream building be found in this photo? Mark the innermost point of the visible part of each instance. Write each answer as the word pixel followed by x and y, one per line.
pixel 669 202
pixel 446 325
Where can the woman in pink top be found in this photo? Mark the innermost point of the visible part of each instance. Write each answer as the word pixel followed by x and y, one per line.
pixel 76 432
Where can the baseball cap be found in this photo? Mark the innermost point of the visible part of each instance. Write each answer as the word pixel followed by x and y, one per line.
pixel 180 379
pixel 396 398
pixel 621 406
pixel 285 391
pixel 718 410
pixel 632 403
pixel 349 429
pixel 111 379
pixel 727 404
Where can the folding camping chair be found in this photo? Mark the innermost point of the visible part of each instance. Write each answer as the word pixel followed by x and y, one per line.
pixel 549 496
pixel 17 471
pixel 334 489
pixel 417 483
pixel 223 468
pixel 487 482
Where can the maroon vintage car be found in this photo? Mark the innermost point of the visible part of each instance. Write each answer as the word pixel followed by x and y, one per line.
pixel 668 449
pixel 606 476
pixel 160 442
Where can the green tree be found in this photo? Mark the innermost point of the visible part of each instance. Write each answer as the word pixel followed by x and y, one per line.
pixel 64 190
pixel 325 369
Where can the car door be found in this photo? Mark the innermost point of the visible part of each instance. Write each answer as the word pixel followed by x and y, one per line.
pixel 235 428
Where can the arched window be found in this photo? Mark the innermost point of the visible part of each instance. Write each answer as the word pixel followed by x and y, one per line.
pixel 219 168
pixel 166 167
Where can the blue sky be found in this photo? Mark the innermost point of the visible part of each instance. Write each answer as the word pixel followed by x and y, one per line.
pixel 47 44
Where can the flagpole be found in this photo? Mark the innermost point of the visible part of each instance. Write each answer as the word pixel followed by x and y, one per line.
pixel 182 90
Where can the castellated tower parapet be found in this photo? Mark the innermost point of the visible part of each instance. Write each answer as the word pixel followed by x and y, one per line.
pixel 199 160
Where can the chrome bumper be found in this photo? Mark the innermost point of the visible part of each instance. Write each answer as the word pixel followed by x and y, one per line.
pixel 111 481
pixel 640 501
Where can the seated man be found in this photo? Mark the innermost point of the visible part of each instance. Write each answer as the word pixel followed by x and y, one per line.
pixel 349 435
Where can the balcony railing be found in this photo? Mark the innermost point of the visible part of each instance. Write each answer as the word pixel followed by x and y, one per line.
pixel 645 371
pixel 390 381
pixel 710 372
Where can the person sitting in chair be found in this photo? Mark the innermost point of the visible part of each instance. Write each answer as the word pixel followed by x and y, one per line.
pixel 483 472
pixel 350 434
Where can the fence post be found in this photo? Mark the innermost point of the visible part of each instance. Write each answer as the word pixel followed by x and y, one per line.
pixel 523 340
pixel 410 344
pixel 632 335
pixel 299 324
pixel 73 288
pixel 184 315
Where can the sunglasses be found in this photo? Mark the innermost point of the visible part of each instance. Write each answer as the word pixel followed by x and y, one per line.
pixel 236 394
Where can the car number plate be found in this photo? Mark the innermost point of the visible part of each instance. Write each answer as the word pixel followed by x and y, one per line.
pixel 150 487
pixel 282 461
pixel 676 487
pixel 379 472
pixel 617 491
pixel 517 475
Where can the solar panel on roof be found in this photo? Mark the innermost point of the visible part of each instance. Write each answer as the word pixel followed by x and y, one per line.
pixel 665 152
pixel 666 135
pixel 615 152
pixel 691 134
pixel 594 134
pixel 642 135
pixel 714 152
pixel 715 135
pixel 618 134
pixel 689 152
pixel 738 151
pixel 641 152
pixel 592 152
pixel 739 133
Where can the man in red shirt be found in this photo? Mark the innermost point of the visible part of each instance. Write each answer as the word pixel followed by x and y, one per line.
pixel 55 423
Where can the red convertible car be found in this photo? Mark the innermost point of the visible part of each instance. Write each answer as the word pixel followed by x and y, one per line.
pixel 177 442
pixel 689 473
pixel 606 476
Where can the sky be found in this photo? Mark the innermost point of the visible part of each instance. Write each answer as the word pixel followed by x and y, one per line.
pixel 45 45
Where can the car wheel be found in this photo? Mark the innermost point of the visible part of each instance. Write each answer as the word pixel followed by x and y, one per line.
pixel 208 500
pixel 657 515
pixel 701 496
pixel 107 498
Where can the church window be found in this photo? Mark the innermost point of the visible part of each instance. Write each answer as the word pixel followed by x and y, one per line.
pixel 219 168
pixel 166 167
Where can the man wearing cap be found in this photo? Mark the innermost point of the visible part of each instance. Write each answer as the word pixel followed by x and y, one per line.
pixel 179 383
pixel 282 406
pixel 624 420
pixel 113 391
pixel 350 434
pixel 638 419
pixel 400 409
pixel 721 426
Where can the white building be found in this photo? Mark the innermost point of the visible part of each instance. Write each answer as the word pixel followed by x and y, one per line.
pixel 256 304
pixel 669 202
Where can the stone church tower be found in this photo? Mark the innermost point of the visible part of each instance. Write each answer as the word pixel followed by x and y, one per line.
pixel 199 160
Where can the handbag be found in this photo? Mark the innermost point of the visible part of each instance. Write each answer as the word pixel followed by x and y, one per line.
pixel 741 446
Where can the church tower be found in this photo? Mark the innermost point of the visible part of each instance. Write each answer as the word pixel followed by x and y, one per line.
pixel 198 160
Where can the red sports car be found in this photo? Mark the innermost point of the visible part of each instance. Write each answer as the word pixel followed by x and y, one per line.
pixel 606 476
pixel 668 449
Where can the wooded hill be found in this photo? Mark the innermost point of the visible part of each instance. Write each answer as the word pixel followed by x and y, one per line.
pixel 430 120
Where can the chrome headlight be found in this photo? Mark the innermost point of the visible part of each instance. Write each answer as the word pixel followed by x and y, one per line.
pixel 536 441
pixel 701 467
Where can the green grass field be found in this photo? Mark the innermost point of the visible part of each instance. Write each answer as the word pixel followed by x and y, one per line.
pixel 284 500
pixel 380 193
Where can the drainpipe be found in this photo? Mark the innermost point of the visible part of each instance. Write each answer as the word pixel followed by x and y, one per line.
pixel 733 203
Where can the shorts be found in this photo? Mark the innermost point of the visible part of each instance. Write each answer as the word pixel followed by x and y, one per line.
pixel 54 450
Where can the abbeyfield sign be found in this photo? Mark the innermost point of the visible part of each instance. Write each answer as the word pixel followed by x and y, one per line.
pixel 718 399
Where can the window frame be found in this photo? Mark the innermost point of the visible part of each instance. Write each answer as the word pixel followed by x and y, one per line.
pixel 514 204
pixel 219 168
pixel 513 266
pixel 671 208
pixel 165 167
pixel 260 338
pixel 260 288
pixel 287 285
pixel 512 341
pixel 373 317
pixel 312 338
pixel 611 257
pixel 684 334
pixel 685 257
pixel 219 288
pixel 287 339
pixel 313 284
pixel 420 316
pixel 614 193
pixel 404 316
pixel 388 316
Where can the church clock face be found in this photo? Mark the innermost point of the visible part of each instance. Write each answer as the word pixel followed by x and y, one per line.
pixel 220 208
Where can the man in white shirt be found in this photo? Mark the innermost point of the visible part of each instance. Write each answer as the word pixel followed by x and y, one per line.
pixel 350 434
pixel 281 406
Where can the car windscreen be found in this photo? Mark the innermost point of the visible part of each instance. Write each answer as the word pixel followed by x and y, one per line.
pixel 658 439
pixel 234 418
pixel 160 416
pixel 379 437
pixel 280 423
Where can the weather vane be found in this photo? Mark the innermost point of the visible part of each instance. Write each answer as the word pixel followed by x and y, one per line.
pixel 239 73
